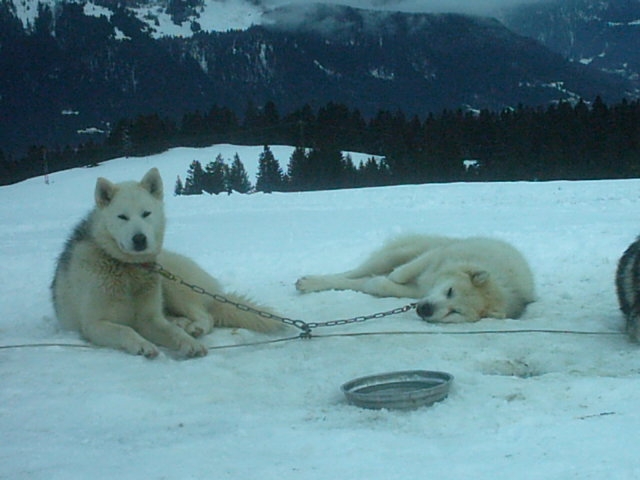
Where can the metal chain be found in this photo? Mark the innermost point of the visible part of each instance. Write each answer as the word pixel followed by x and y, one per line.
pixel 306 327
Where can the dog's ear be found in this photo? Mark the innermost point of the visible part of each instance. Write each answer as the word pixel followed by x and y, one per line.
pixel 479 277
pixel 105 190
pixel 152 182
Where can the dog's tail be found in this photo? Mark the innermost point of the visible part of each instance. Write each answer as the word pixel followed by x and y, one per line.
pixel 241 312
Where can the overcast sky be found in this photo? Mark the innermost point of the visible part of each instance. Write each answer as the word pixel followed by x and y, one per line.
pixel 468 6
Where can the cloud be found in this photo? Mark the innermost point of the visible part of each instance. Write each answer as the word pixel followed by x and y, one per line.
pixel 478 7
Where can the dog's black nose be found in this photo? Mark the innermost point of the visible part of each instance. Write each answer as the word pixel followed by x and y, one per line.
pixel 139 242
pixel 425 310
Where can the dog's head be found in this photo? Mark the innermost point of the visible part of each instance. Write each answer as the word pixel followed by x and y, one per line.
pixel 130 220
pixel 456 297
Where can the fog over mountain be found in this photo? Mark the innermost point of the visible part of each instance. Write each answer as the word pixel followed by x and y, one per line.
pixel 419 6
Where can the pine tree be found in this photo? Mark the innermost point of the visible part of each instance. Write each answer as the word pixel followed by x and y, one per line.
pixel 119 138
pixel 179 188
pixel 368 172
pixel 270 176
pixel 297 169
pixel 326 168
pixel 194 180
pixel 350 172
pixel 237 178
pixel 215 175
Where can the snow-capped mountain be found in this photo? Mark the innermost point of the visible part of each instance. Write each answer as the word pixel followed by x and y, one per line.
pixel 180 18
pixel 602 34
pixel 70 69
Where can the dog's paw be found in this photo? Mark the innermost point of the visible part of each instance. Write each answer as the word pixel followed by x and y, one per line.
pixel 142 347
pixel 310 283
pixel 301 284
pixel 191 348
pixel 194 328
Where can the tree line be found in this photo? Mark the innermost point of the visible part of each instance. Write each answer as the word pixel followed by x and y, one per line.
pixel 307 169
pixel 561 141
pixel 216 177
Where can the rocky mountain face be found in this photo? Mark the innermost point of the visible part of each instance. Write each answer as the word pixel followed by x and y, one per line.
pixel 74 72
pixel 602 34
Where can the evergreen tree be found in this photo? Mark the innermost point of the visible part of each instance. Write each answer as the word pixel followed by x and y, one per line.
pixel 326 168
pixel 270 176
pixel 215 175
pixel 270 115
pixel 119 138
pixel 251 119
pixel 560 141
pixel 193 124
pixel 221 120
pixel 43 23
pixel 237 178
pixel 150 134
pixel 320 168
pixel 179 10
pixel 297 169
pixel 369 173
pixel 179 188
pixel 350 173
pixel 193 181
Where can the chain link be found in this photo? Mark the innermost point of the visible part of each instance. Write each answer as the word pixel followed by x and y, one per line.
pixel 300 324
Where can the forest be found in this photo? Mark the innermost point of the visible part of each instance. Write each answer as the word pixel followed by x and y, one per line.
pixel 570 141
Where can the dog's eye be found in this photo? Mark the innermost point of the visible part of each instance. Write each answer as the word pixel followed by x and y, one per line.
pixel 450 292
pixel 145 214
pixel 123 217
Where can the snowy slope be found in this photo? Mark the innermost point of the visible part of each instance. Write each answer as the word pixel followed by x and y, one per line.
pixel 213 15
pixel 523 405
pixel 223 15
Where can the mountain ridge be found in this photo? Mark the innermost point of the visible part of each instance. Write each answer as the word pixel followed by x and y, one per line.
pixel 602 34
pixel 78 71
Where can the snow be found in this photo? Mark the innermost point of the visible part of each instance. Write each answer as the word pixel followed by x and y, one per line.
pixel 523 405
pixel 224 15
pixel 381 74
pixel 633 23
pixel 471 164
pixel 93 10
pixel 212 16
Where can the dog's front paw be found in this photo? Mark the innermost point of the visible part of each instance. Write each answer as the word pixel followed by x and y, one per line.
pixel 191 348
pixel 192 328
pixel 142 347
pixel 310 283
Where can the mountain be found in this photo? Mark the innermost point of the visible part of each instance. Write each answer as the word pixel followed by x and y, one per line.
pixel 426 62
pixel 602 34
pixel 74 69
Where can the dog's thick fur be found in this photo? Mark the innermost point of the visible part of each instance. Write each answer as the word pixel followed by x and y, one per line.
pixel 454 280
pixel 102 288
pixel 628 288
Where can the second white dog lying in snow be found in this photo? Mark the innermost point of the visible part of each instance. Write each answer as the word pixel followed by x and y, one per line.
pixel 455 280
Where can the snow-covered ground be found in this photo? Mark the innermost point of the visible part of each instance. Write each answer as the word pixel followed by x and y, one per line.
pixel 523 405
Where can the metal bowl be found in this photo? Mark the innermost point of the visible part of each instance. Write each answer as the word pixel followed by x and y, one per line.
pixel 398 390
